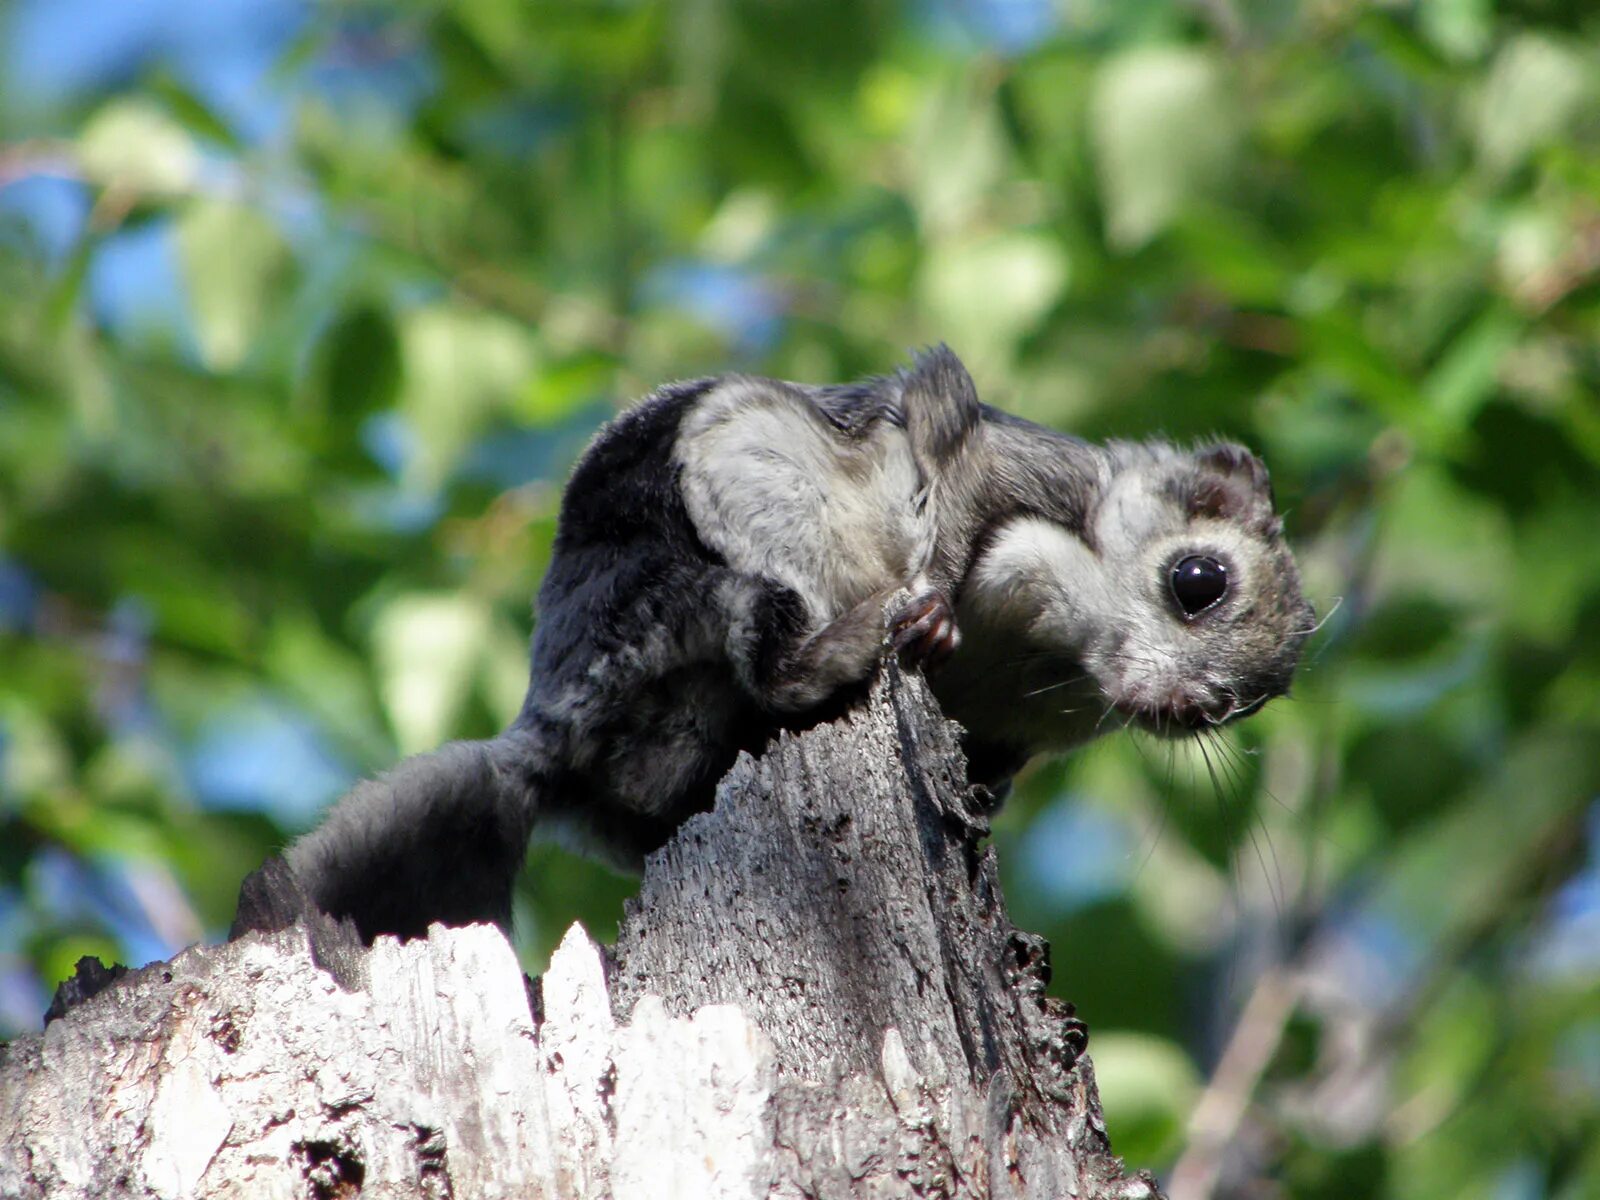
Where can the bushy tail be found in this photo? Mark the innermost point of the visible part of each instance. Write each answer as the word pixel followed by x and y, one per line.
pixel 438 838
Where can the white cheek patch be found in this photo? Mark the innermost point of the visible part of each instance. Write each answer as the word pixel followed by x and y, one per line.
pixel 1034 575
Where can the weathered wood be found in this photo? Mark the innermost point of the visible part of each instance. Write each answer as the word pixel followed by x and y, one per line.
pixel 816 994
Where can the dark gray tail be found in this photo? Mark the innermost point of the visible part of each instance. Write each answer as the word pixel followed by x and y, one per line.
pixel 439 838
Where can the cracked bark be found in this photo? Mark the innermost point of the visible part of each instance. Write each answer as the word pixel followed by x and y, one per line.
pixel 817 993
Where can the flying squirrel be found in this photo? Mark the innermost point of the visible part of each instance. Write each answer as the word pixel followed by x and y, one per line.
pixel 732 555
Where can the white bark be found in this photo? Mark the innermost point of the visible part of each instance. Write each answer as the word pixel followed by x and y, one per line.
pixel 817 994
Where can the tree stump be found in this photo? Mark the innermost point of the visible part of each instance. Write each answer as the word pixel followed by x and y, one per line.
pixel 817 993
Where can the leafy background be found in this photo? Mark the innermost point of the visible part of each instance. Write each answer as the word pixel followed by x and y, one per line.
pixel 306 310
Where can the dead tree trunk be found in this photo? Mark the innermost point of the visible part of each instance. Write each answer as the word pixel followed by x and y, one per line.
pixel 817 994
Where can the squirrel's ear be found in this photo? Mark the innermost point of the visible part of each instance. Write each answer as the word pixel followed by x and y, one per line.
pixel 1234 461
pixel 1233 485
pixel 938 371
pixel 939 402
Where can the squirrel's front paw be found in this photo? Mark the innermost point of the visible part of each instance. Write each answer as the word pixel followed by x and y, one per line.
pixel 924 631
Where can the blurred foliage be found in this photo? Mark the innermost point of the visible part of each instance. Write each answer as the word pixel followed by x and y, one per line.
pixel 288 386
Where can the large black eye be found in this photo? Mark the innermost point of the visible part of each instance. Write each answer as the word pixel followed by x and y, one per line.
pixel 1198 582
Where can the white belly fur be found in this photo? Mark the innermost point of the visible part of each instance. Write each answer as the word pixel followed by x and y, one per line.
pixel 780 493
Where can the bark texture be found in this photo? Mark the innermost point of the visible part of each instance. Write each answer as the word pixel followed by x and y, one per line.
pixel 817 994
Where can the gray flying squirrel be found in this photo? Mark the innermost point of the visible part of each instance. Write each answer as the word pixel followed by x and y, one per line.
pixel 726 554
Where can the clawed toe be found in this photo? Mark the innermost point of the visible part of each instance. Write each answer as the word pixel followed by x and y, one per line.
pixel 924 632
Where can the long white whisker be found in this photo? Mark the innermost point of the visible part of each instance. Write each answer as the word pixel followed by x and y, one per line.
pixel 1328 616
pixel 1050 687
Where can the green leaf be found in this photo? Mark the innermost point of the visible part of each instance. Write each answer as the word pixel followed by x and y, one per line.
pixel 63 299
pixel 461 366
pixel 195 114
pixel 428 647
pixel 1465 376
pixel 132 143
pixel 1165 131
pixel 358 365
pixel 957 155
pixel 1459 29
pixel 1536 87
pixel 1344 349
pixel 990 291
pixel 233 260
